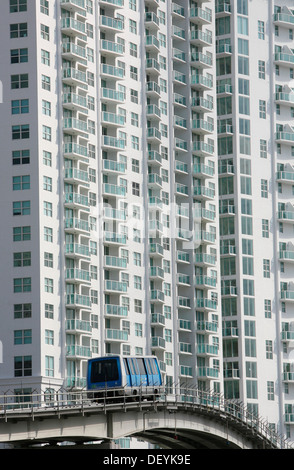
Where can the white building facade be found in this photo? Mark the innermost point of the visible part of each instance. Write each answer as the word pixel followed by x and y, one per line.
pixel 147 193
pixel 254 48
pixel 109 190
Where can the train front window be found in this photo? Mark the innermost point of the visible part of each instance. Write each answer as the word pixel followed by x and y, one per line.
pixel 104 371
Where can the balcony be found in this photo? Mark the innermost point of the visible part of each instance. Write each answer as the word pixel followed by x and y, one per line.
pixel 200 126
pixel 113 143
pixel 201 105
pixel 78 301
pixel 284 19
pixel 76 176
pixel 156 296
pixel 157 342
pixel 154 158
pixel 71 51
pixel 203 193
pixel 205 259
pixel 205 282
pixel 111 24
pixel 285 98
pixel 112 72
pixel 77 275
pixel 155 250
pixel 204 237
pixel 199 38
pixel 75 126
pixel 200 60
pixel 157 319
pixel 75 151
pixel 285 138
pixel 115 286
pixel 207 350
pixel 202 148
pixel 200 16
pixel 76 250
pixel 114 238
pixel 78 6
pixel 115 262
pixel 112 166
pixel 152 66
pixel 112 119
pixel 114 214
pixel 201 82
pixel 286 216
pixel 282 58
pixel 151 43
pixel 153 89
pixel 151 21
pixel 116 335
pixel 286 256
pixel 113 190
pixel 203 171
pixel 206 327
pixel 76 200
pixel 72 27
pixel 75 102
pixel 207 373
pixel 78 352
pixel 153 135
pixel 184 302
pixel 109 94
pixel 110 48
pixel 74 77
pixel 111 310
pixel 287 295
pixel 75 225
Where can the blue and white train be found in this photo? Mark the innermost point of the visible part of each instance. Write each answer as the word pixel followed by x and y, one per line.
pixel 118 375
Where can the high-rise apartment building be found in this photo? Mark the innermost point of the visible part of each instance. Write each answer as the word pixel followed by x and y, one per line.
pixel 146 193
pixel 255 72
pixel 109 189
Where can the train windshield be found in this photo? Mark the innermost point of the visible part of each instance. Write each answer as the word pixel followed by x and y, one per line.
pixel 104 371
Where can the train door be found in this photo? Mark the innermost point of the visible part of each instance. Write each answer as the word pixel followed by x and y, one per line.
pixel 150 370
pixel 142 371
pixel 128 377
pixel 132 370
pixel 155 371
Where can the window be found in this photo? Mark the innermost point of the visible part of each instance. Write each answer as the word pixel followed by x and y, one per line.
pixel 20 157
pixel 263 148
pixel 45 57
pixel 22 365
pixel 137 259
pixel 270 390
pixel 48 234
pixel 133 5
pixel 20 106
pixel 19 30
pixel 44 7
pixel 133 49
pixel 264 188
pixel 23 337
pixel 137 282
pixel 49 366
pixel 47 183
pixel 267 308
pixel 266 268
pixel 21 233
pixel 138 329
pixel 138 306
pixel 22 259
pixel 46 134
pixel 21 132
pixel 18 56
pixel 135 119
pixel 262 109
pixel 47 158
pixel 22 284
pixel 22 311
pixel 19 81
pixel 49 337
pixel 48 260
pixel 20 183
pixel 133 72
pixel 269 349
pixel 18 6
pixel 48 211
pixel 260 26
pixel 265 228
pixel 46 83
pixel 46 108
pixel 261 69
pixel 135 142
pixel 48 285
pixel 21 207
pixel 135 189
pixel 134 96
pixel 49 311
pixel 133 26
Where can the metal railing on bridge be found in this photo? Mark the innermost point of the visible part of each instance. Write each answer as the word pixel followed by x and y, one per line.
pixel 36 403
